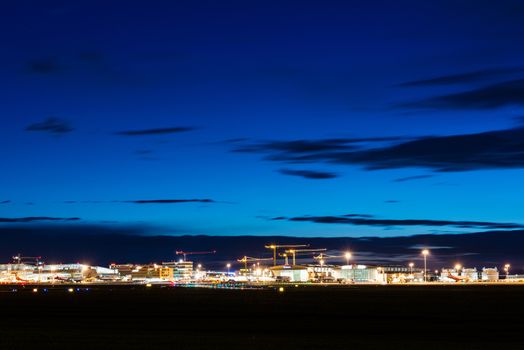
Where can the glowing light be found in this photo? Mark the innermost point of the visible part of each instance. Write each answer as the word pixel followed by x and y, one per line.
pixel 281 290
pixel 425 252
pixel 35 290
pixel 70 290
pixel 149 285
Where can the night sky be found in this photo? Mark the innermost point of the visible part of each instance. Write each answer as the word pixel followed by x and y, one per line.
pixel 296 118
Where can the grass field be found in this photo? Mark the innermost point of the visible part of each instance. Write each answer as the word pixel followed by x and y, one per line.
pixel 304 317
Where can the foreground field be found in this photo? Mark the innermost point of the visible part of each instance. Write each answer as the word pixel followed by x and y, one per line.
pixel 304 317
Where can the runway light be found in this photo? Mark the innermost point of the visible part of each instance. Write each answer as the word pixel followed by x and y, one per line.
pixel 35 290
pixel 149 285
pixel 281 289
pixel 70 290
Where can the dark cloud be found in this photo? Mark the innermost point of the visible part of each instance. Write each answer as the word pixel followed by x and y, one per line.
pixel 148 201
pixel 159 131
pixel 501 149
pixel 365 221
pixel 51 125
pixel 44 66
pixel 411 178
pixel 310 146
pixel 462 78
pixel 5 202
pixel 170 201
pixel 508 93
pixel 35 219
pixel 358 215
pixel 309 174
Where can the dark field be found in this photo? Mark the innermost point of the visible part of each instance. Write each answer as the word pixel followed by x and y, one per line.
pixel 340 317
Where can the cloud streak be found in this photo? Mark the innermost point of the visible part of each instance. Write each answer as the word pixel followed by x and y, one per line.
pixel 169 201
pixel 507 93
pixel 468 77
pixel 148 201
pixel 411 178
pixel 500 149
pixel 365 221
pixel 157 131
pixel 309 174
pixel 44 66
pixel 35 219
pixel 51 125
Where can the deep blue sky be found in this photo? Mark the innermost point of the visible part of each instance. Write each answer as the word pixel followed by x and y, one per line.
pixel 273 95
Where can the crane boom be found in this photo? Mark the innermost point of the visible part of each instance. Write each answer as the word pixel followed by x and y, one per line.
pixel 185 254
pixel 274 247
pixel 246 259
pixel 294 252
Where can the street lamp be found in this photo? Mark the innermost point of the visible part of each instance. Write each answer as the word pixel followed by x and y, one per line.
pixel 425 253
pixel 228 268
pixel 458 267
pixel 411 268
pixel 348 257
pixel 506 269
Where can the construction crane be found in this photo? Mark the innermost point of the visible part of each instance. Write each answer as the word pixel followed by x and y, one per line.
pixel 274 247
pixel 185 254
pixel 247 259
pixel 294 252
pixel 19 259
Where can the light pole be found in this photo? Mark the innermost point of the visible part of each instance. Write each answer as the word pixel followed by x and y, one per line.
pixel 348 257
pixel 425 253
pixel 411 268
pixel 506 269
pixel 228 268
pixel 458 267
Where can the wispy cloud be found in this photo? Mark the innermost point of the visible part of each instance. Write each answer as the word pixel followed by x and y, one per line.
pixel 462 78
pixel 35 219
pixel 411 178
pixel 371 221
pixel 309 174
pixel 500 149
pixel 149 201
pixel 157 131
pixel 170 201
pixel 5 202
pixel 508 93
pixel 310 147
pixel 51 125
pixel 44 66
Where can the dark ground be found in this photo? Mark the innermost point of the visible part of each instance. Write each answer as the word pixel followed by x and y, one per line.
pixel 339 317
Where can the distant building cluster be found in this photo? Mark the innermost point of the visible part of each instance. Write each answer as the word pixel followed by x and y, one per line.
pixel 254 270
